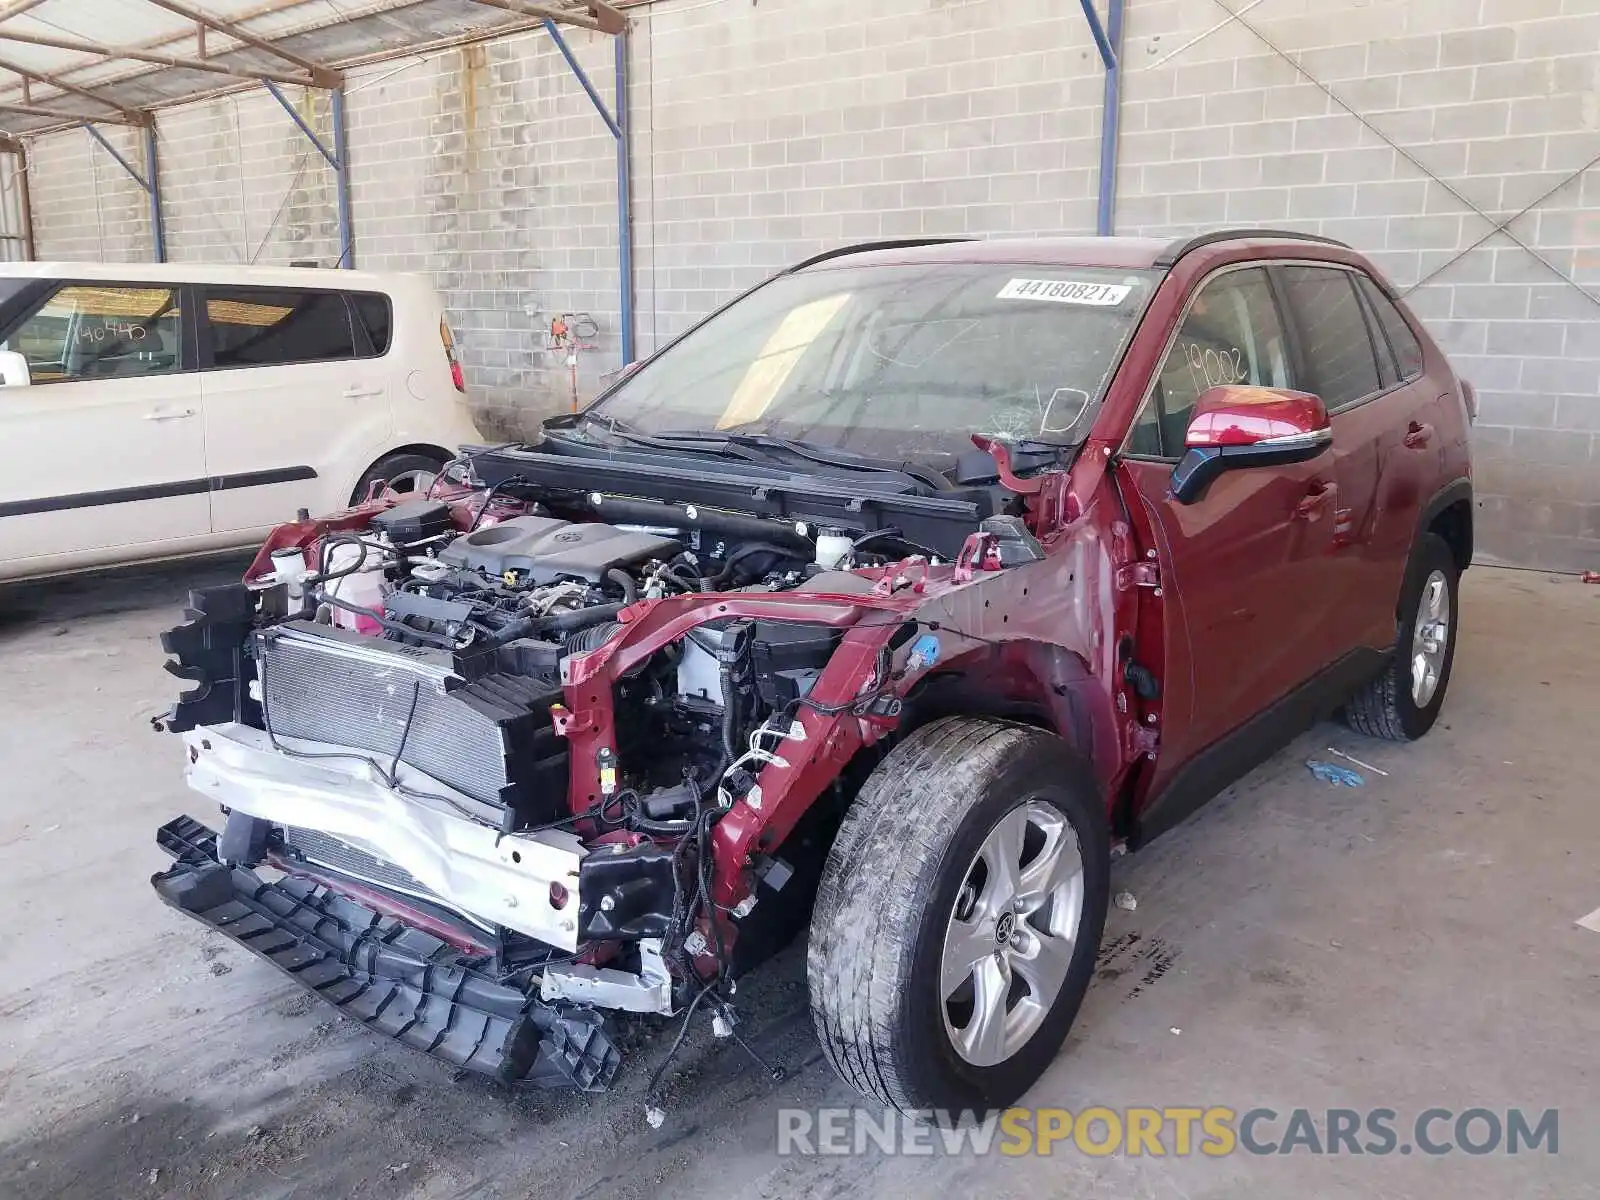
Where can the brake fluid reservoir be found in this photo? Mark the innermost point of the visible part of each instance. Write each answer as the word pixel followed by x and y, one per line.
pixel 833 549
pixel 289 568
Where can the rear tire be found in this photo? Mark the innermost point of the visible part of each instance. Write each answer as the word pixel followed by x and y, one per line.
pixel 1402 703
pixel 908 896
pixel 405 473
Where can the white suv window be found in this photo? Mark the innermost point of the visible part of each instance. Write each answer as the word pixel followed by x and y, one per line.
pixel 101 331
pixel 263 327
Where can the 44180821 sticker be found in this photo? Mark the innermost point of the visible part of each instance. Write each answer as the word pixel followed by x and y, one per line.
pixel 1066 291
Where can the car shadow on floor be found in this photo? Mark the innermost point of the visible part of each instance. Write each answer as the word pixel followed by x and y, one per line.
pixel 53 604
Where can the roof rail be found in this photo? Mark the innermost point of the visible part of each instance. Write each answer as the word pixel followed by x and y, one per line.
pixel 863 247
pixel 1170 256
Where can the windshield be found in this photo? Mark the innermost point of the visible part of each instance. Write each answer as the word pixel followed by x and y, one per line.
pixel 901 362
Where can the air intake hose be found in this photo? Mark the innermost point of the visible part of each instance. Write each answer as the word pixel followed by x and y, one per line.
pixel 591 638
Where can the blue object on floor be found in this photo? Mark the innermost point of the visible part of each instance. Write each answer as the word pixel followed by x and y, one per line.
pixel 1338 776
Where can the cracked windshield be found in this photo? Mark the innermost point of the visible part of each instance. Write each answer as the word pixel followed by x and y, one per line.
pixel 902 362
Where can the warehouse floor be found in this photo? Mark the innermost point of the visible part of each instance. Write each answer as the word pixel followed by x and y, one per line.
pixel 1407 944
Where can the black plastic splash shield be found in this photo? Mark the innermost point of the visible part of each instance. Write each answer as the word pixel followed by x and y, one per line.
pixel 400 981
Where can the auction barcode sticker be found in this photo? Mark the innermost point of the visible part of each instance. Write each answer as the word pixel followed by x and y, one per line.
pixel 1065 291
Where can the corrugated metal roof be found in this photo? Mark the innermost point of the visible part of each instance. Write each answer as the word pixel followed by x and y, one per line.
pixel 75 50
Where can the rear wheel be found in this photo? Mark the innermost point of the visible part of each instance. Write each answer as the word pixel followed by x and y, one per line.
pixel 959 915
pixel 405 473
pixel 1403 703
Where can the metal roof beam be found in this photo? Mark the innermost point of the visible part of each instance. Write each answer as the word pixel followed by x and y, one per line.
pixel 151 56
pixel 584 17
pixel 17 7
pixel 322 76
pixel 33 110
pixel 132 114
pixel 611 21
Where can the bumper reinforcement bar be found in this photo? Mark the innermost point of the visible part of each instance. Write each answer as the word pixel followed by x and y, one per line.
pixel 401 981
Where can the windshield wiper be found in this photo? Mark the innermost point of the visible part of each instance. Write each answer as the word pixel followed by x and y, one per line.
pixel 824 456
pixel 712 443
pixel 740 445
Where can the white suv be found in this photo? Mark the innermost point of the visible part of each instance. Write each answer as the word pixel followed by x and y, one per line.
pixel 158 411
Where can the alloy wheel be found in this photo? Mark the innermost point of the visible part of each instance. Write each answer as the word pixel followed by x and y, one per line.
pixel 1011 934
pixel 1430 638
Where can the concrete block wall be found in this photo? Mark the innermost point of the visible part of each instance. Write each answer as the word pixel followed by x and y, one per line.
pixel 1412 130
pixel 85 206
pixel 764 133
pixel 782 129
pixel 241 184
pixel 487 168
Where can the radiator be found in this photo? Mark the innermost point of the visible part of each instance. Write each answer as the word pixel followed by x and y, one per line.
pixel 323 687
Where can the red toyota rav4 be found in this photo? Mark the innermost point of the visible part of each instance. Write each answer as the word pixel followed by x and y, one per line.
pixel 884 603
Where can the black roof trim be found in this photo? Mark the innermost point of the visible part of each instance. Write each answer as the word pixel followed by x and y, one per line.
pixel 864 247
pixel 1170 256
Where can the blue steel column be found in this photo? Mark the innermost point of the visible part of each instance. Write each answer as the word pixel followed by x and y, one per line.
pixel 152 173
pixel 341 171
pixel 338 158
pixel 1110 123
pixel 149 182
pixel 624 197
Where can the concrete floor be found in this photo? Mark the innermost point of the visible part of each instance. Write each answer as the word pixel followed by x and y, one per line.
pixel 1406 944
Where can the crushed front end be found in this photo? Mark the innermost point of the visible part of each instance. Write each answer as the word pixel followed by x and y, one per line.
pixel 496 771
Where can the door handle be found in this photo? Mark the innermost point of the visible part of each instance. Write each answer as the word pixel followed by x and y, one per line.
pixel 357 393
pixel 1418 435
pixel 1315 501
pixel 175 415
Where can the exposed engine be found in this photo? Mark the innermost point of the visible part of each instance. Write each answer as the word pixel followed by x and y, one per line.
pixel 511 722
pixel 442 649
pixel 397 730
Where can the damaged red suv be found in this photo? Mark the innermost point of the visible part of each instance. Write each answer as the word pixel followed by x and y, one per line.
pixel 878 608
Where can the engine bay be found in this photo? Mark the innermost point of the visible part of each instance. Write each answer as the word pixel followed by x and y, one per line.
pixel 413 656
pixel 534 720
pixel 590 724
pixel 495 609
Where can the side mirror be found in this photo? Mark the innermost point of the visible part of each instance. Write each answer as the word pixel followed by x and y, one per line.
pixel 1235 426
pixel 13 370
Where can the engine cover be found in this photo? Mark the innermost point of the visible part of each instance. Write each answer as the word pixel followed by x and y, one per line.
pixel 546 549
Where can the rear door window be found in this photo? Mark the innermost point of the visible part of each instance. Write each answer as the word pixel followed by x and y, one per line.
pixel 261 327
pixel 1340 361
pixel 372 309
pixel 101 331
pixel 1407 350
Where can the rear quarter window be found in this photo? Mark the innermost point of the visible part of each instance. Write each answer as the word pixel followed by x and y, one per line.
pixel 373 311
pixel 1407 350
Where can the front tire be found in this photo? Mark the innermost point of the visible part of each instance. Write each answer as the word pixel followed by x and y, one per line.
pixel 1403 703
pixel 959 915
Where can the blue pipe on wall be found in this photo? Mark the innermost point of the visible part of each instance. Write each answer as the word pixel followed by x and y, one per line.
pixel 1110 119
pixel 624 197
pixel 341 169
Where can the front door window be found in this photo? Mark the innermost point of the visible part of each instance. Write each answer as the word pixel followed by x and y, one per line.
pixel 101 331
